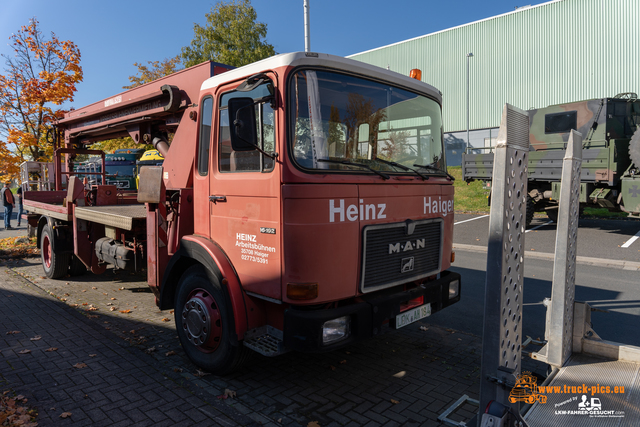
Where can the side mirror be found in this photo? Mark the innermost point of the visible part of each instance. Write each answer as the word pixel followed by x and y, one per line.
pixel 242 117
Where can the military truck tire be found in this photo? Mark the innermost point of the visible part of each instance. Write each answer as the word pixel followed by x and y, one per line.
pixel 204 321
pixel 76 267
pixel 54 264
pixel 530 211
pixel 634 148
pixel 552 214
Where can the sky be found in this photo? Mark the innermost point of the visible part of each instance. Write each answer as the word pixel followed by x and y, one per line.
pixel 113 34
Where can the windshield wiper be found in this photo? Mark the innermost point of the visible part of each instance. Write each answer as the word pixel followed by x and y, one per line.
pixel 433 168
pixel 403 167
pixel 348 163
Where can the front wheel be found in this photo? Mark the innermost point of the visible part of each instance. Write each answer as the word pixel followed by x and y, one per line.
pixel 204 321
pixel 55 264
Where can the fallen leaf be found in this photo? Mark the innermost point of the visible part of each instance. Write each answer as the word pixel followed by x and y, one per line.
pixel 424 328
pixel 400 374
pixel 166 319
pixel 66 294
pixel 84 290
pixel 200 373
pixel 313 424
pixel 93 287
pixel 133 331
pixel 150 350
pixel 80 365
pixel 25 351
pixel 13 332
pixel 65 415
pixel 177 369
pixel 227 394
pixel 170 353
pixel 333 368
pixel 342 362
pixel 125 311
pixel 52 349
pixel 92 309
pixel 36 338
pixel 63 299
pixel 395 402
pixel 85 303
pixel 113 299
pixel 121 289
pixel 92 355
pixel 113 308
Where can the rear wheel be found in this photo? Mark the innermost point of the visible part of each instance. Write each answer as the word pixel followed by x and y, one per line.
pixel 530 211
pixel 204 321
pixel 55 264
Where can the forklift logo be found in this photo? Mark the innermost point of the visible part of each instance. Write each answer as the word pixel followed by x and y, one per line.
pixel 526 390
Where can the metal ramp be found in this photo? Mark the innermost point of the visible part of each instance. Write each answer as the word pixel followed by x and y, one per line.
pixel 616 409
pixel 594 382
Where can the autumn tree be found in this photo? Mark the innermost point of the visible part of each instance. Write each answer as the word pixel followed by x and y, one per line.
pixel 41 74
pixel 153 71
pixel 231 36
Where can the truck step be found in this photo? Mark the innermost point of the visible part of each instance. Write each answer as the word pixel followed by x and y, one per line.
pixel 266 340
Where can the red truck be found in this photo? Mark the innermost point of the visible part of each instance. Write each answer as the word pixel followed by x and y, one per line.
pixel 303 204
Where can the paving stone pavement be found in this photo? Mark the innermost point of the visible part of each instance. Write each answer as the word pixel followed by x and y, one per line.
pixel 140 374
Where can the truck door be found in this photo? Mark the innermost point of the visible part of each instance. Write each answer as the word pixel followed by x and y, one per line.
pixel 245 188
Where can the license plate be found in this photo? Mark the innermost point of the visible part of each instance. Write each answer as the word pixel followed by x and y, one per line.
pixel 413 315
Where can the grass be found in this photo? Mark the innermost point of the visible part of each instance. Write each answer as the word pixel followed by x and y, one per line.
pixel 469 198
pixel 472 198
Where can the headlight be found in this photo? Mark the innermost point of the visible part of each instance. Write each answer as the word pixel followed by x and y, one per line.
pixel 454 289
pixel 336 329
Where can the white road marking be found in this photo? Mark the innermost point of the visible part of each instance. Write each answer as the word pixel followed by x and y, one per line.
pixel 540 226
pixel 630 241
pixel 467 220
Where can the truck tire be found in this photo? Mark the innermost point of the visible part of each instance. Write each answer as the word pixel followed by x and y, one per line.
pixel 204 321
pixel 552 214
pixel 55 264
pixel 76 267
pixel 530 211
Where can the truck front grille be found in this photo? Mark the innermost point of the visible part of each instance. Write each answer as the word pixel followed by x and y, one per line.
pixel 400 252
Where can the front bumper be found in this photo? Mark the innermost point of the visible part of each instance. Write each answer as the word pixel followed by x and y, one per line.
pixel 303 328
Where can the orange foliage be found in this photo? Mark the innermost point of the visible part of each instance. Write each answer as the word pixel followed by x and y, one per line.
pixel 41 74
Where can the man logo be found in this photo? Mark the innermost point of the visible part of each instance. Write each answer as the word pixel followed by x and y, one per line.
pixel 407 265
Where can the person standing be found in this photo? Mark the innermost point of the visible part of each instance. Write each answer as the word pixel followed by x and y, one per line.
pixel 19 203
pixel 7 201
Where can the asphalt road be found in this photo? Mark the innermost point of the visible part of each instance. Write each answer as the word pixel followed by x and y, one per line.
pixel 615 289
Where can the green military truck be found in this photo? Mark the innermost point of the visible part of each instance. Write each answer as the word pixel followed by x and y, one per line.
pixel 610 176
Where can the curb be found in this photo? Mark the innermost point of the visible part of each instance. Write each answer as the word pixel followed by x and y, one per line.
pixel 600 262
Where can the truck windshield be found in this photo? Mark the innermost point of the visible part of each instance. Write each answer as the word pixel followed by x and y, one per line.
pixel 338 122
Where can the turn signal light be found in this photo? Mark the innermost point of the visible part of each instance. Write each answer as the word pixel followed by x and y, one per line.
pixel 302 291
pixel 453 256
pixel 416 73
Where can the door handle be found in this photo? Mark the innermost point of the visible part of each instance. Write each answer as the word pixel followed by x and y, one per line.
pixel 216 199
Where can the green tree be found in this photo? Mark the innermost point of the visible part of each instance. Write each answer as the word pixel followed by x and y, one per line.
pixel 153 71
pixel 232 36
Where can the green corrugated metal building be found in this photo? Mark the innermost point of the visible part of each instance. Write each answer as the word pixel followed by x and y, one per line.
pixel 552 53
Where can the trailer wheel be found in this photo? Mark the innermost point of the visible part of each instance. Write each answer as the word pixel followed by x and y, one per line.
pixel 76 267
pixel 55 265
pixel 204 321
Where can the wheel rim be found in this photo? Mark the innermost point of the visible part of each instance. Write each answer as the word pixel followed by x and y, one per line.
pixel 201 321
pixel 46 251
